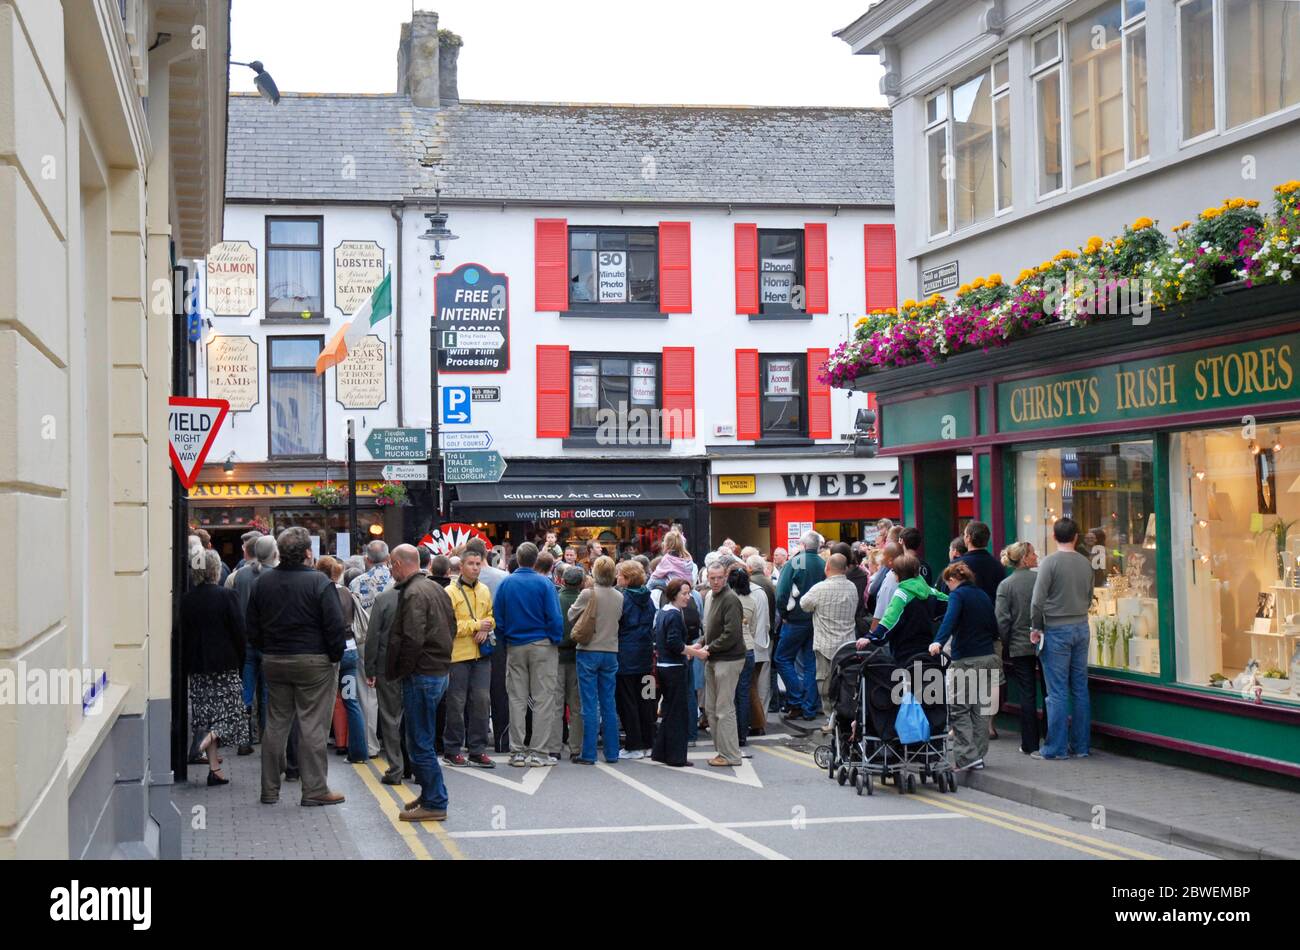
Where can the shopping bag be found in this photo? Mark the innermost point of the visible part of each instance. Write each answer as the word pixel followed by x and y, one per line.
pixel 911 723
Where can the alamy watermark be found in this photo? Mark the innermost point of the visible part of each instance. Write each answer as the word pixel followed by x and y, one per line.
pixel 23 685
pixel 1084 296
pixel 624 424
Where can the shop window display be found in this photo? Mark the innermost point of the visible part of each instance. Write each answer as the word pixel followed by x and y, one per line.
pixel 1235 508
pixel 1108 489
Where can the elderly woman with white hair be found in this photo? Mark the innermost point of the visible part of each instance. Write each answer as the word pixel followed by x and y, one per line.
pixel 212 647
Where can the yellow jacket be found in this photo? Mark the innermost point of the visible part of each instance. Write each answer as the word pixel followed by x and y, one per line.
pixel 467 619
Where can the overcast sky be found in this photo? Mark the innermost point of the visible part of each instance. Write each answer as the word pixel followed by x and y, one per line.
pixel 751 52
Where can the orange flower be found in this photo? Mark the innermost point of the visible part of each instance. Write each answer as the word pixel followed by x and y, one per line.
pixel 1142 222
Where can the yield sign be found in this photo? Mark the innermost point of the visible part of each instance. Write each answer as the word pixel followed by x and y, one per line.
pixel 192 426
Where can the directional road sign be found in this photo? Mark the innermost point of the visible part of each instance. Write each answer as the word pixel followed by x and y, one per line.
pixel 398 445
pixel 466 440
pixel 406 473
pixel 472 340
pixel 468 467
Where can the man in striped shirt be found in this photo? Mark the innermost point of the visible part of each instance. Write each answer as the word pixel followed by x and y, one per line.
pixel 833 604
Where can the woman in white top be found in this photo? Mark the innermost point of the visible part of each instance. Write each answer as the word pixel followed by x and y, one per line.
pixel 762 682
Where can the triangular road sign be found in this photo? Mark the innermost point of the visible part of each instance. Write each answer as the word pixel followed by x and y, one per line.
pixel 192 426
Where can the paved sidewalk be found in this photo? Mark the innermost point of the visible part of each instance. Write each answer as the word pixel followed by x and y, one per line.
pixel 1220 816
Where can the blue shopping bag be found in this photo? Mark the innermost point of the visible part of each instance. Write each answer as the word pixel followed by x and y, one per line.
pixel 911 723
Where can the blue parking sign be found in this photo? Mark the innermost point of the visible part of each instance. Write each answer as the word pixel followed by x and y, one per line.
pixel 456 405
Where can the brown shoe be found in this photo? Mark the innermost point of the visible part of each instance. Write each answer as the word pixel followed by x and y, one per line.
pixel 329 798
pixel 719 762
pixel 420 813
pixel 413 803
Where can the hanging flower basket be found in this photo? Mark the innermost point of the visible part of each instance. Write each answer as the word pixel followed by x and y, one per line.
pixel 328 495
pixel 390 493
pixel 259 524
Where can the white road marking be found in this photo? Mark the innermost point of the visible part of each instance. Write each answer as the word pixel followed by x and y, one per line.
pixel 645 829
pixel 532 780
pixel 692 815
pixel 742 774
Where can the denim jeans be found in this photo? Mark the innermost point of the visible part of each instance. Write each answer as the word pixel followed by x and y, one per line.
pixel 420 698
pixel 742 697
pixel 596 672
pixel 255 685
pixel 801 688
pixel 357 750
pixel 1065 668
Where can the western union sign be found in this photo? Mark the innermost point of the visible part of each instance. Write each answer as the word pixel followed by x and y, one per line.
pixel 736 485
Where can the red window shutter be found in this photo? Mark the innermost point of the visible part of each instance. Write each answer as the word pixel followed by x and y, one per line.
pixel 749 409
pixel 819 396
pixel 679 392
pixel 551 263
pixel 881 263
pixel 747 268
pixel 815 269
pixel 674 267
pixel 552 392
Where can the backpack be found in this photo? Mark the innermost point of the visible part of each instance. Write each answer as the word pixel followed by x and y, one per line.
pixel 360 621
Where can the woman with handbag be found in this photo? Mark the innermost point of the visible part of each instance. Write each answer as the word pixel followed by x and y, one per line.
pixel 674 654
pixel 596 613
pixel 636 704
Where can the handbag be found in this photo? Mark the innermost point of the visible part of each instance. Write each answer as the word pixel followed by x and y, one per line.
pixel 584 629
pixel 485 648
pixel 911 723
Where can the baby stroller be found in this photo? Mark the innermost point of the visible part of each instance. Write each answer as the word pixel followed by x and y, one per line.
pixel 927 678
pixel 842 757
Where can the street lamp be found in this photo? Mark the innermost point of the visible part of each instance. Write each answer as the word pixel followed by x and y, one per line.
pixel 864 436
pixel 437 232
pixel 265 84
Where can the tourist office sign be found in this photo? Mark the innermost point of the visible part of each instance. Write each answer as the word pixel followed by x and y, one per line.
pixel 472 310
pixel 1223 377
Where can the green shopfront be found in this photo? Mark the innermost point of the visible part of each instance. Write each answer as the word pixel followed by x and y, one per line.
pixel 1175 445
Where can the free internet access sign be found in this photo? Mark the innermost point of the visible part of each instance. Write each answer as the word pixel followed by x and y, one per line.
pixel 192 426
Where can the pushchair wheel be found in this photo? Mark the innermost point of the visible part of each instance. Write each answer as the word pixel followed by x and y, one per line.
pixel 902 786
pixel 824 756
pixel 952 783
pixel 842 775
pixel 860 781
pixel 911 783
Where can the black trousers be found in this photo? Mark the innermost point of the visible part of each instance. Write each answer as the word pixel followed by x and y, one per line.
pixel 1024 673
pixel 635 713
pixel 677 696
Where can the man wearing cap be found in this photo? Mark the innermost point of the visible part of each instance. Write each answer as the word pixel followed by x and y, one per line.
pixel 573 579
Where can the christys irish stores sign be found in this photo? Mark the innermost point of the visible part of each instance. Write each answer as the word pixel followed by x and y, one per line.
pixel 1225 377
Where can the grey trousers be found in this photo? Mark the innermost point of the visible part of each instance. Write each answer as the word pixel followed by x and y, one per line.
pixel 389 695
pixel 304 685
pixel 530 673
pixel 469 684
pixel 973 684
pixel 721 677
pixel 566 692
pixel 369 706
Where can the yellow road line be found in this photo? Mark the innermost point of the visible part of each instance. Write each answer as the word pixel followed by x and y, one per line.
pixel 1087 839
pixel 388 806
pixel 1003 819
pixel 433 827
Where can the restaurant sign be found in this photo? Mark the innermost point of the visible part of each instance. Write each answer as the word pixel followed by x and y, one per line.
pixel 231 271
pixel 1239 375
pixel 358 269
pixel 270 490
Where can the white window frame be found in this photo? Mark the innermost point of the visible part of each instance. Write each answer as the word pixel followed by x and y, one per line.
pixel 1036 73
pixel 945 123
pixel 1129 26
pixel 1217 20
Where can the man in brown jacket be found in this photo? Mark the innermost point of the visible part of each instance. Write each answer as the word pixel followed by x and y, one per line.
pixel 419 657
pixel 724 655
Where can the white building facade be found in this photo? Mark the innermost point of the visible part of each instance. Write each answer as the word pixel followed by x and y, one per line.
pixel 674 279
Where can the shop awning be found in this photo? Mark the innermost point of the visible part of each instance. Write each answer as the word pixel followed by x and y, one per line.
pixel 554 499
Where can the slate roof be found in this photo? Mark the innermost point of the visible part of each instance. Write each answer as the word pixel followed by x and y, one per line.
pixel 314 148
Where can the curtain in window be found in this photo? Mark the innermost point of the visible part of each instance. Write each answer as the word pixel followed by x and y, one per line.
pixel 297 414
pixel 293 281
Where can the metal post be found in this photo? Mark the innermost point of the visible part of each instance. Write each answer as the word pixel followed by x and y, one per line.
pixel 435 459
pixel 352 489
pixel 180 739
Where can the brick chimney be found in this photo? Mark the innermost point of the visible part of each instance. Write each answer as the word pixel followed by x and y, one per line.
pixel 426 62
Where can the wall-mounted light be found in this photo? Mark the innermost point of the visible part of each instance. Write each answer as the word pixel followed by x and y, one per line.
pixel 376 529
pixel 1052 485
pixel 1200 476
pixel 437 231
pixel 229 465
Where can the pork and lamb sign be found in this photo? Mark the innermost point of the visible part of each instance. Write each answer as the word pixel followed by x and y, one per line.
pixel 192 426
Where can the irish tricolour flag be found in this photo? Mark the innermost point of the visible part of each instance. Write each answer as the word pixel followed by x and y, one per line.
pixel 354 331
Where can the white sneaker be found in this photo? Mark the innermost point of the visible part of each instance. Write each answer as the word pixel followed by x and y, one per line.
pixel 630 754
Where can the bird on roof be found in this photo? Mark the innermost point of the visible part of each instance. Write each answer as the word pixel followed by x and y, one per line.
pixel 263 81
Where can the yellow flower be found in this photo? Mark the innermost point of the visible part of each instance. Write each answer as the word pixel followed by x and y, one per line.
pixel 1118 243
pixel 1234 203
pixel 909 303
pixel 978 283
pixel 995 280
pixel 1093 245
pixel 963 290
pixel 1142 222
pixel 1252 203
pixel 1209 214
pixel 1026 274
pixel 1287 187
pixel 1065 255
pixel 1184 226
pixel 860 321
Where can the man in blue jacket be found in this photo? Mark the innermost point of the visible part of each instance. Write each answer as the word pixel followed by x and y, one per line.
pixel 796 645
pixel 527 611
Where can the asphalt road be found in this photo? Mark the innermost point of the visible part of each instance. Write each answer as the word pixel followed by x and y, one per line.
pixel 777 806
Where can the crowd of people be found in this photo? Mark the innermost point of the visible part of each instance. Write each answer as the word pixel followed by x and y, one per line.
pixel 544 651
